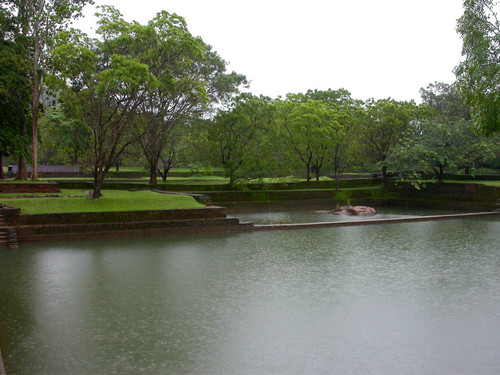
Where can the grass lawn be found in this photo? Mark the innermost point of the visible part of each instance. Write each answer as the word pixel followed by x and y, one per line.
pixel 12 181
pixel 192 179
pixel 111 200
pixel 487 183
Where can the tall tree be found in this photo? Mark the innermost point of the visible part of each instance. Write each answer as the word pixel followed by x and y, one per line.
pixel 312 130
pixel 446 139
pixel 446 101
pixel 330 97
pixel 14 90
pixel 384 125
pixel 188 72
pixel 432 147
pixel 40 21
pixel 173 56
pixel 235 138
pixel 478 75
pixel 349 112
pixel 103 90
pixel 63 139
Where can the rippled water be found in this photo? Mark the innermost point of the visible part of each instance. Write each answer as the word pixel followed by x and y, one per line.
pixel 419 298
pixel 313 216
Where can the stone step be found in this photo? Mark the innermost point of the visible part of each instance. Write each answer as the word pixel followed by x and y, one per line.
pixel 12 238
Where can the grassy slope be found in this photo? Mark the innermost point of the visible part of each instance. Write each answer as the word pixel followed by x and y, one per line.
pixel 111 200
pixel 487 183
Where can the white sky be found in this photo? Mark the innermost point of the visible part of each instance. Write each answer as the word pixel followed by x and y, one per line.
pixel 373 48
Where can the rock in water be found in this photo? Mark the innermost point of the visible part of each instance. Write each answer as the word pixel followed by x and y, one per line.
pixel 355 211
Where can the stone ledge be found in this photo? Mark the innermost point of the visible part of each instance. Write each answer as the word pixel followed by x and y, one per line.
pixel 140 225
pixel 414 219
pixel 126 224
pixel 130 230
pixel 119 216
pixel 30 188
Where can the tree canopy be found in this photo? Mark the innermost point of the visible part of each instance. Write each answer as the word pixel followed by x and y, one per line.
pixel 157 95
pixel 383 127
pixel 14 89
pixel 478 75
pixel 446 138
pixel 311 129
pixel 39 22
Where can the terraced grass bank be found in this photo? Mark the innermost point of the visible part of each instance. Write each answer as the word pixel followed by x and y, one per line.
pixel 116 214
pixel 76 200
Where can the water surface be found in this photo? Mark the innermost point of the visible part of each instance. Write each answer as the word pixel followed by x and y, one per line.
pixel 317 216
pixel 413 298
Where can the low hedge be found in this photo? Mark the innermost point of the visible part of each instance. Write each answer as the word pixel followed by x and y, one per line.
pixel 343 184
pixel 465 177
pixel 119 216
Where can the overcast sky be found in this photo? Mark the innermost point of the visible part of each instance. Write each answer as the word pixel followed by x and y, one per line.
pixel 373 48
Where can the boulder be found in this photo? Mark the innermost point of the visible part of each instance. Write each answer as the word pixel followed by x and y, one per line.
pixel 355 211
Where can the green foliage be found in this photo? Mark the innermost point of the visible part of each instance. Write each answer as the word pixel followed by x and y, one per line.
pixel 102 87
pixel 447 140
pixel 333 98
pixel 38 22
pixel 138 84
pixel 384 125
pixel 14 90
pixel 445 99
pixel 435 146
pixel 478 75
pixel 190 76
pixel 311 130
pixel 64 140
pixel 238 139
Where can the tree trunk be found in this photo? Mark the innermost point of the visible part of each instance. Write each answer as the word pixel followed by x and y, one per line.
pixel 308 176
pixel 152 172
pixel 34 145
pixel 384 173
pixel 337 184
pixel 1 168
pixel 98 181
pixel 164 174
pixel 35 105
pixel 22 175
pixel 441 172
pixel 21 171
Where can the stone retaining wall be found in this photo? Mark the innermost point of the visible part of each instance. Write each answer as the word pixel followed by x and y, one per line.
pixel 466 197
pixel 130 229
pixel 124 224
pixel 184 187
pixel 119 216
pixel 448 195
pixel 29 188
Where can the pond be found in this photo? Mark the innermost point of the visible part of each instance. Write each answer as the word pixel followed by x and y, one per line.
pixel 317 216
pixel 407 298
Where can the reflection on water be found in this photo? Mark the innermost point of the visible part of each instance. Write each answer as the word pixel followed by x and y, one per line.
pixel 405 298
